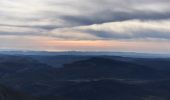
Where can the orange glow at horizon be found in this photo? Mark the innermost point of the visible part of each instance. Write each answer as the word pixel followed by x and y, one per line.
pixel 53 44
pixel 107 45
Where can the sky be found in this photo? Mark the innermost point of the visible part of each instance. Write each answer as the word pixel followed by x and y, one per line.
pixel 85 25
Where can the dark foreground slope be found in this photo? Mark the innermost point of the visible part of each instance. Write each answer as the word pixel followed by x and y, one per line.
pixel 9 94
pixel 90 78
pixel 110 90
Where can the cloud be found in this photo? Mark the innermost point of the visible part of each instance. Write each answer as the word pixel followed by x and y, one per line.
pixel 131 25
pixel 125 30
pixel 69 13
pixel 21 31
pixel 71 34
pixel 86 19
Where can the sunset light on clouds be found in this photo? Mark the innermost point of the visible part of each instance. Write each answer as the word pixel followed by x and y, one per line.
pixel 85 25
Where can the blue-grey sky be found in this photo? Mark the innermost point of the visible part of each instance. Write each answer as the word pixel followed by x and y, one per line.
pixel 87 25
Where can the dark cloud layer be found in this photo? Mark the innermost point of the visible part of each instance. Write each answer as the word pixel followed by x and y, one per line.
pixel 36 17
pixel 106 16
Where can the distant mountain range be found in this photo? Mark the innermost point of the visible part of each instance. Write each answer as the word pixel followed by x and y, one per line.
pixel 81 53
pixel 85 77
